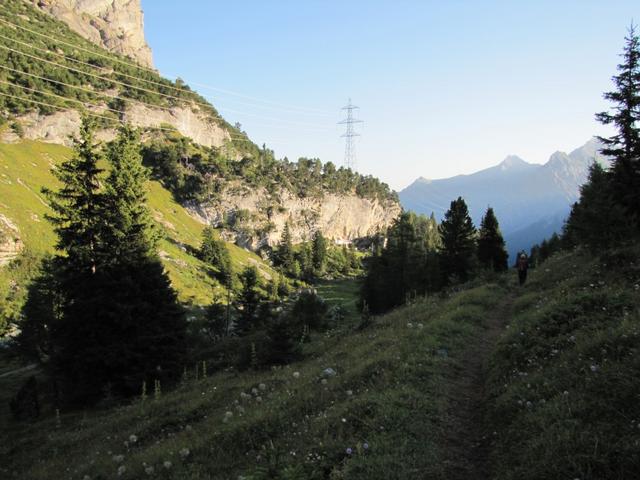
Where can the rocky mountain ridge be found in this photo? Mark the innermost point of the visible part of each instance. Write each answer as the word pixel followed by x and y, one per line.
pixel 117 25
pixel 531 201
pixel 253 218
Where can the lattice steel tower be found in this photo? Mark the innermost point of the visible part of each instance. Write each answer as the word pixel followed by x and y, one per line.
pixel 349 146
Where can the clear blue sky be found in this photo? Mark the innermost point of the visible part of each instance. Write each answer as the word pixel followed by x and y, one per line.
pixel 444 87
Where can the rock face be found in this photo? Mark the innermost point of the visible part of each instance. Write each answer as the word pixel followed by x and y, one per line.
pixel 60 127
pixel 116 25
pixel 254 218
pixel 10 243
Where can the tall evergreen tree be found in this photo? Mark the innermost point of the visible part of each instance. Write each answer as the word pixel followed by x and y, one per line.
pixel 248 300
pixel 119 322
pixel 491 247
pixel 624 146
pixel 319 252
pixel 458 241
pixel 596 220
pixel 284 255
pixel 214 251
pixel 78 205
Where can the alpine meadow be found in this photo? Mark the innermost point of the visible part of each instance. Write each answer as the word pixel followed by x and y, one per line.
pixel 179 299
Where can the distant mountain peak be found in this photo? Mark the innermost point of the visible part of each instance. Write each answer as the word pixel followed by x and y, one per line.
pixel 512 161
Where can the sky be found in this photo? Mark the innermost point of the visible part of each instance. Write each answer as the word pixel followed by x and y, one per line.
pixel 443 87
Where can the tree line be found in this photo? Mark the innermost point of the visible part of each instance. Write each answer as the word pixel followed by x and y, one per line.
pixel 421 256
pixel 607 213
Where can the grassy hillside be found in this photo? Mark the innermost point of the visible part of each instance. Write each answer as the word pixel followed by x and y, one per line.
pixel 494 381
pixel 26 167
pixel 378 417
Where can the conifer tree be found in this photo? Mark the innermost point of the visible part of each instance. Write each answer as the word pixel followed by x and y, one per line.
pixel 284 255
pixel 78 205
pixel 248 300
pixel 624 146
pixel 319 252
pixel 214 251
pixel 491 247
pixel 458 241
pixel 119 322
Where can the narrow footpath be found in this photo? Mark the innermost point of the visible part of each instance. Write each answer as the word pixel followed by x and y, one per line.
pixel 467 437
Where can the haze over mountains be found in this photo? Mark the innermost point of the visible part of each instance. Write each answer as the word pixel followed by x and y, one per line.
pixel 531 201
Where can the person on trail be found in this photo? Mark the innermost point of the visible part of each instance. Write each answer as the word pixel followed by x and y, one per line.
pixel 522 264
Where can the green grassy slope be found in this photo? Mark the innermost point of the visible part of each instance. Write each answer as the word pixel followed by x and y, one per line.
pixel 565 389
pixel 389 393
pixel 25 168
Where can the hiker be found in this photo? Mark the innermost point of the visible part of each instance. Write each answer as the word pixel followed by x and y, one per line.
pixel 522 264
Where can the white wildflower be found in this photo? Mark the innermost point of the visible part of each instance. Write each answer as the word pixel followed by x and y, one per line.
pixel 184 453
pixel 118 458
pixel 121 470
pixel 149 470
pixel 133 438
pixel 296 374
pixel 167 464
pixel 262 387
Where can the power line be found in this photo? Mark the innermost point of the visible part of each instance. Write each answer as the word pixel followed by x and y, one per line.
pixel 349 136
pixel 283 107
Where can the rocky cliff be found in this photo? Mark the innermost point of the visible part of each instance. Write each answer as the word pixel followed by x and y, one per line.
pixel 116 25
pixel 10 243
pixel 254 218
pixel 62 126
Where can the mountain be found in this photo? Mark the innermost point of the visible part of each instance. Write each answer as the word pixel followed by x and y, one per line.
pixel 116 25
pixel 531 201
pixel 52 76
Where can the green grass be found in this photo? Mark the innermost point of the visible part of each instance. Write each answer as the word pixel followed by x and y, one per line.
pixel 564 383
pixel 25 168
pixel 388 393
pixel 343 292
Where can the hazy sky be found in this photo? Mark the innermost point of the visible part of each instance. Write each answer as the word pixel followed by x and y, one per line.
pixel 444 87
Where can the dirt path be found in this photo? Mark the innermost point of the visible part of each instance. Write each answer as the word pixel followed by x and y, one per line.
pixel 19 370
pixel 467 437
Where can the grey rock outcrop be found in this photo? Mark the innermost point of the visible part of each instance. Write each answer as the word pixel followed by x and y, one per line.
pixel 10 243
pixel 116 25
pixel 253 217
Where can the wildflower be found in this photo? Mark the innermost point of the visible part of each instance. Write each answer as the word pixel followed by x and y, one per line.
pixel 184 453
pixel 420 325
pixel 86 477
pixel 349 451
pixel 409 325
pixel 349 393
pixel 365 446
pixel 188 428
pixel 296 374
pixel 254 391
pixel 594 368
pixel 133 438
pixel 323 381
pixel 344 420
pixel 259 399
pixel 167 464
pixel 262 387
pixel 121 470
pixel 118 458
pixel 244 396
pixel 149 470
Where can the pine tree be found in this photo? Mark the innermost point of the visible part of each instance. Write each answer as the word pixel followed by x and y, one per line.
pixel 596 220
pixel 78 205
pixel 491 247
pixel 284 256
pixel 248 301
pixel 214 251
pixel 458 241
pixel 319 252
pixel 119 322
pixel 624 146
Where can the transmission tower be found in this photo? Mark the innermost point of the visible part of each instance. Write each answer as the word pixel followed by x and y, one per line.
pixel 349 146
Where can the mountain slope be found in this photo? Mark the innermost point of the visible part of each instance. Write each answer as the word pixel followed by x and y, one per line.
pixel 25 168
pixel 408 398
pixel 524 196
pixel 116 25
